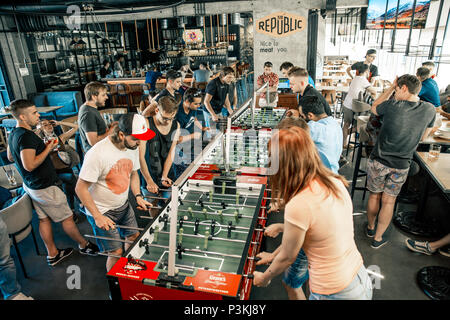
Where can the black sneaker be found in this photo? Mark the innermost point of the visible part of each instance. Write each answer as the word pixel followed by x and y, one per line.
pixel 445 251
pixel 62 253
pixel 91 249
pixel 419 246
pixel 370 232
pixel 378 244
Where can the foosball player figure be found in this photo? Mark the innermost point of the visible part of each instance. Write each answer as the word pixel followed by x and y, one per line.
pixel 230 228
pixel 196 225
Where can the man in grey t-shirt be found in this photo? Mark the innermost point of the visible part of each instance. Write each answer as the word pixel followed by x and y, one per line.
pixel 92 127
pixel 406 121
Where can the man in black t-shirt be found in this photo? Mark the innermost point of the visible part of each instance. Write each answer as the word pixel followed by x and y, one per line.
pixel 173 89
pixel 405 122
pixel 216 97
pixel 298 80
pixel 32 160
pixel 371 54
pixel 92 127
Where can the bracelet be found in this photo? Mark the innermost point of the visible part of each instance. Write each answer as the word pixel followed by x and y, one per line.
pixel 139 195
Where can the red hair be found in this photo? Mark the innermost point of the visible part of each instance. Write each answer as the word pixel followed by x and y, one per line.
pixel 299 165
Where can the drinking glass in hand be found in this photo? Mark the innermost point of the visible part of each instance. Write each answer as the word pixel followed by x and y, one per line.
pixel 9 171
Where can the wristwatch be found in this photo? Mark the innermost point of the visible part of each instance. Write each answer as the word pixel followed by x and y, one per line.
pixel 139 195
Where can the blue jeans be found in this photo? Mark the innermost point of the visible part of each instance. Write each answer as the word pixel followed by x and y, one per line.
pixel 69 181
pixel 123 216
pixel 8 282
pixel 359 289
pixel 297 273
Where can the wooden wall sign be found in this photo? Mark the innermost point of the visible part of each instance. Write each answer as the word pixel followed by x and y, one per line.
pixel 280 24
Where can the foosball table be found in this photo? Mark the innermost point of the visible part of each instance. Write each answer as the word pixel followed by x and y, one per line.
pixel 203 243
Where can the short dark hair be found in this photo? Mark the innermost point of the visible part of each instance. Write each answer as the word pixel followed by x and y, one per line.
pixel 290 122
pixel 268 64
pixel 168 104
pixel 17 106
pixel 226 71
pixel 298 72
pixel 411 82
pixel 423 73
pixel 105 62
pixel 173 74
pixel 362 67
pixel 202 64
pixel 428 63
pixel 371 51
pixel 192 93
pixel 286 65
pixel 126 123
pixel 93 89
pixel 312 104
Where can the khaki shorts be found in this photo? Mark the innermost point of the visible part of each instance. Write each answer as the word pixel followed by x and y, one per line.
pixel 50 203
pixel 381 178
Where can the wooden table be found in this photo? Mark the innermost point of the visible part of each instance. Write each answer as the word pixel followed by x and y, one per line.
pixel 53 109
pixel 432 138
pixel 4 180
pixel 415 222
pixel 438 169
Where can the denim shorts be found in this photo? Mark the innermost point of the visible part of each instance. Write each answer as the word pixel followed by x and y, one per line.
pixel 381 178
pixel 123 216
pixel 359 289
pixel 297 273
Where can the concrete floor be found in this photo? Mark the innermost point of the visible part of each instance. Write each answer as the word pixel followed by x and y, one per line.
pixel 394 261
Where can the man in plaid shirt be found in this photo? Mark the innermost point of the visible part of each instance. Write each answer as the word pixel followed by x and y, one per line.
pixel 272 78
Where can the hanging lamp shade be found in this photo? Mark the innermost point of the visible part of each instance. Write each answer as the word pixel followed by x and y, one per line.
pixel 73 42
pixel 105 41
pixel 81 42
pixel 96 37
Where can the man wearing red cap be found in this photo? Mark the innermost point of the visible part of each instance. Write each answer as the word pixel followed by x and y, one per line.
pixel 109 170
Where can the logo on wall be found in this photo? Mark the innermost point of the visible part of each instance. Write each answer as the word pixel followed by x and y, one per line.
pixel 280 24
pixel 193 36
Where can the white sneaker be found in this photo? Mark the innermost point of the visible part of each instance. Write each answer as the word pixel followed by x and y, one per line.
pixel 21 296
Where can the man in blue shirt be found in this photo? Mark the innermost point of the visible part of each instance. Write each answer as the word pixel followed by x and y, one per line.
pixel 324 130
pixel 152 76
pixel 430 89
pixel 287 66
pixel 202 74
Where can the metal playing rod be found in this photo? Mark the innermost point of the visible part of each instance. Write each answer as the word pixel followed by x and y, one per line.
pixel 156 198
pixel 108 239
pixel 127 227
pixel 233 205
pixel 109 255
pixel 200 236
pixel 214 213
pixel 231 195
pixel 197 184
pixel 199 251
pixel 221 225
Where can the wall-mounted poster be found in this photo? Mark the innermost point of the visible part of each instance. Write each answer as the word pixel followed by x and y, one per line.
pixel 193 36
pixel 377 13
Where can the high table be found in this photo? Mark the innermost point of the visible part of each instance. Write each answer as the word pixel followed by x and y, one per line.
pixel 52 109
pixel 438 170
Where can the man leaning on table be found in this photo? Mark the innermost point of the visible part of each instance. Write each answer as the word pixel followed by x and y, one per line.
pixel 405 122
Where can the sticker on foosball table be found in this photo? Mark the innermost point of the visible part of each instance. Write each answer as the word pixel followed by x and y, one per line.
pixel 252 180
pixel 215 282
pixel 254 171
pixel 202 176
pixel 135 270
pixel 208 168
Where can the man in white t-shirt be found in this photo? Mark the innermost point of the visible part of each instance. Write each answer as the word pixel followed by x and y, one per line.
pixel 358 84
pixel 109 171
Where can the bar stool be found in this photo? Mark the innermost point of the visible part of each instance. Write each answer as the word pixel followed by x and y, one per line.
pixel 358 107
pixel 357 173
pixel 123 93
pixel 331 97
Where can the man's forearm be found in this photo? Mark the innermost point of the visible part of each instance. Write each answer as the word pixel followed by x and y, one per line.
pixel 135 184
pixel 86 198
